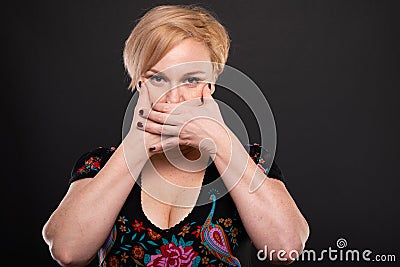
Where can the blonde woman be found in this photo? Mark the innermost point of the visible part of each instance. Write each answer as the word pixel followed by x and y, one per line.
pixel 131 206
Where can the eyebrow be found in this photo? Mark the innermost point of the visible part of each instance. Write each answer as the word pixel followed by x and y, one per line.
pixel 186 74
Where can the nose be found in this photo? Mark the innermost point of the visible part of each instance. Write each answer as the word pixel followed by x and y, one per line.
pixel 174 95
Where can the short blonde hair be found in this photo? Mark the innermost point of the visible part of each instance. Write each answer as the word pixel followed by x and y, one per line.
pixel 163 27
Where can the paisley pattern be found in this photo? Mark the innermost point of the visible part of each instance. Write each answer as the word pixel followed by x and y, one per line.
pixel 107 245
pixel 215 240
pixel 210 236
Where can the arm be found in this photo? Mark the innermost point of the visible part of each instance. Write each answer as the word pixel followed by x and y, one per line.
pixel 269 214
pixel 83 220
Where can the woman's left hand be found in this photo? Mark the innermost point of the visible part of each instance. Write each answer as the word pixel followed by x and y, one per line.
pixel 195 122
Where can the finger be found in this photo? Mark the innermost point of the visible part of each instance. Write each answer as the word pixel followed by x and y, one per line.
pixel 166 108
pixel 164 145
pixel 156 128
pixel 159 117
pixel 194 102
pixel 206 93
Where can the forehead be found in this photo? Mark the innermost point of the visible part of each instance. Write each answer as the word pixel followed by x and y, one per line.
pixel 188 56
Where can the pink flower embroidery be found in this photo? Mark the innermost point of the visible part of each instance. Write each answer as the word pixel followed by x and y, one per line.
pixel 172 256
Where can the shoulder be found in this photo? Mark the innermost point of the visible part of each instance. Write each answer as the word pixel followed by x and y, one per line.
pixel 90 163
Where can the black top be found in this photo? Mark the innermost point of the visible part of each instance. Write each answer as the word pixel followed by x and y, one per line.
pixel 211 235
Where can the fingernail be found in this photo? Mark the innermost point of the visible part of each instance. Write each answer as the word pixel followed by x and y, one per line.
pixel 152 148
pixel 140 84
pixel 139 124
pixel 151 105
pixel 209 86
pixel 141 112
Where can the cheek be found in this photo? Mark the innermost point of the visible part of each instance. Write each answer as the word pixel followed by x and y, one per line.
pixel 156 96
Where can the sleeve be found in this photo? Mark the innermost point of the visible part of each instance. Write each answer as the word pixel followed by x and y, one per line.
pixel 90 163
pixel 261 157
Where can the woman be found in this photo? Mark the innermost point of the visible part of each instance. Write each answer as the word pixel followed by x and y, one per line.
pixel 106 213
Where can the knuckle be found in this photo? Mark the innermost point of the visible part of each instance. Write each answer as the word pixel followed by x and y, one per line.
pixel 147 126
pixel 170 142
pixel 159 129
pixel 159 117
pixel 184 135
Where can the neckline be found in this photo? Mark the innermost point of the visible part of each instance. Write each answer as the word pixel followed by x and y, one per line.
pixel 186 218
pixel 166 230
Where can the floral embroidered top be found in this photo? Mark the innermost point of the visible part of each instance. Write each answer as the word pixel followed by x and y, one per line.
pixel 211 235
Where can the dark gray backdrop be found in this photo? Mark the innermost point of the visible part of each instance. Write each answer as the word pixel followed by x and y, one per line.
pixel 329 69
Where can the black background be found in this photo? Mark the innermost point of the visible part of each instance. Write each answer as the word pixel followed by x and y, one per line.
pixel 329 69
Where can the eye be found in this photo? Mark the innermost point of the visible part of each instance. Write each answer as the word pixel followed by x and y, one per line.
pixel 192 81
pixel 156 78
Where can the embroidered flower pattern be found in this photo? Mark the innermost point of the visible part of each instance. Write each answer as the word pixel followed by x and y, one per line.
pixel 138 252
pixel 197 231
pixel 234 232
pixel 122 228
pixel 138 226
pixel 92 164
pixel 255 154
pixel 137 243
pixel 185 230
pixel 114 261
pixel 124 257
pixel 122 219
pixel 230 229
pixel 153 235
pixel 173 255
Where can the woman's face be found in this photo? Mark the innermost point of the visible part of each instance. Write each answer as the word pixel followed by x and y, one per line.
pixel 180 75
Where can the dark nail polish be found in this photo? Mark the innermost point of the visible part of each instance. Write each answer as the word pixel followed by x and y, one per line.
pixel 151 105
pixel 141 112
pixel 139 124
pixel 209 86
pixel 140 84
pixel 152 148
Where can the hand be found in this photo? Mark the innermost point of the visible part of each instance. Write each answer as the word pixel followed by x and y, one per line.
pixel 196 123
pixel 135 136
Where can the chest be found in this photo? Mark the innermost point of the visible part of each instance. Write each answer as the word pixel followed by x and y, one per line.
pixel 167 195
pixel 136 240
pixel 162 215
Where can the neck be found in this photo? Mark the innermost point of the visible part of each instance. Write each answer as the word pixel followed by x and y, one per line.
pixel 188 152
pixel 170 183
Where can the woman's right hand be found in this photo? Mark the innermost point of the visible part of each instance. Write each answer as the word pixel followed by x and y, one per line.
pixel 138 140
